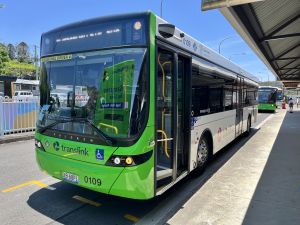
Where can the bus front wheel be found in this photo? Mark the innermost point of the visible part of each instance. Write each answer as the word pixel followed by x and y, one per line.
pixel 203 154
pixel 247 133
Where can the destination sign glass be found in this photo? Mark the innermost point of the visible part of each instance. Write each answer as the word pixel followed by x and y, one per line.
pixel 95 34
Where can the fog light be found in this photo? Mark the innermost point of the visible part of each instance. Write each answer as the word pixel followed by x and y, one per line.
pixel 117 160
pixel 129 160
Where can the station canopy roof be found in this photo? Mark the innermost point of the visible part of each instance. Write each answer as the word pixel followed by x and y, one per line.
pixel 271 28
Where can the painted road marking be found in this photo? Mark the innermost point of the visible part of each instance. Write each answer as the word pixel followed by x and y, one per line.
pixel 36 182
pixel 87 201
pixel 131 218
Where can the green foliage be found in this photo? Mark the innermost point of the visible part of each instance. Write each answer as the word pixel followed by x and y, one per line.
pixel 3 56
pixel 15 67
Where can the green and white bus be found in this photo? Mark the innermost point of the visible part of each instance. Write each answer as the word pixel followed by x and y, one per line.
pixel 267 98
pixel 130 104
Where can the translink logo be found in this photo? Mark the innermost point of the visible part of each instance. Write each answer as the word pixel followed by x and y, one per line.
pixel 56 146
pixel 75 150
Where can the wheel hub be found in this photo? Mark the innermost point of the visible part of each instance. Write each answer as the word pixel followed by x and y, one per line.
pixel 202 153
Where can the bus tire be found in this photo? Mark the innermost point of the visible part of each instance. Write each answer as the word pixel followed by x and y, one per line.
pixel 248 131
pixel 203 154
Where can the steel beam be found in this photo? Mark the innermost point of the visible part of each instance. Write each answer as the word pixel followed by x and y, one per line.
pixel 287 51
pixel 283 25
pixel 278 37
pixel 289 63
pixel 294 68
pixel 286 58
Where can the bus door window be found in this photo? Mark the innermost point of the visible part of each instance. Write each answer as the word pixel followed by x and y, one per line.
pixel 228 97
pixel 164 114
pixel 240 103
pixel 182 153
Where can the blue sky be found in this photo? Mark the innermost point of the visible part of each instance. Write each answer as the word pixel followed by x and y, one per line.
pixel 26 20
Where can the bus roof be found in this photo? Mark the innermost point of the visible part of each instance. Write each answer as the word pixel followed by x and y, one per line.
pixel 187 42
pixel 96 20
pixel 196 48
pixel 280 89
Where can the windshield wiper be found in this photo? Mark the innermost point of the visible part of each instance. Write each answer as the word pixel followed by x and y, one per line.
pixel 108 140
pixel 43 129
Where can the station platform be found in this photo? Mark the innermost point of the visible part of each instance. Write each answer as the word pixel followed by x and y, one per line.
pixel 260 184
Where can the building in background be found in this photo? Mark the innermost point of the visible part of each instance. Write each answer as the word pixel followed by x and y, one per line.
pixel 6 85
pixel 27 85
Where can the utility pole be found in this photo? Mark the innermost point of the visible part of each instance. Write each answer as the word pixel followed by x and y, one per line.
pixel 161 8
pixel 36 62
pixel 224 39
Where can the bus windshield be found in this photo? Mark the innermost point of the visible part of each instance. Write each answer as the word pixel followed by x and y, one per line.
pixel 107 89
pixel 279 95
pixel 267 95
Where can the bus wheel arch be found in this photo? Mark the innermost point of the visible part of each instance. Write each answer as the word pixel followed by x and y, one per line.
pixel 249 124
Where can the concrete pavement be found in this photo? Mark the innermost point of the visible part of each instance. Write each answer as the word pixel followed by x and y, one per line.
pixel 28 196
pixel 260 184
pixel 16 137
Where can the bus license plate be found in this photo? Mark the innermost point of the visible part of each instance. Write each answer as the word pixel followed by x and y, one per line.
pixel 70 177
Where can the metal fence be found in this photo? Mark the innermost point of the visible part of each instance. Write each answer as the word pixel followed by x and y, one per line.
pixel 18 115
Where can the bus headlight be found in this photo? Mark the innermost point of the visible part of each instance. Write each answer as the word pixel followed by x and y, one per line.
pixel 117 160
pixel 39 145
pixel 133 160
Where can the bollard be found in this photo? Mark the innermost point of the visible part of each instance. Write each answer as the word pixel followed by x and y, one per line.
pixel 283 105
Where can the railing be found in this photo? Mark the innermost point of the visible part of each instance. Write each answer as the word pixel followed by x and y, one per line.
pixel 18 115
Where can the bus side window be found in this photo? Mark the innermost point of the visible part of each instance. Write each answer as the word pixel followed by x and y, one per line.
pixel 228 99
pixel 200 103
pixel 215 100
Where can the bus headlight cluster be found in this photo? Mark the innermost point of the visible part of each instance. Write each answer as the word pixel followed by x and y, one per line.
pixel 120 161
pixel 133 160
pixel 38 144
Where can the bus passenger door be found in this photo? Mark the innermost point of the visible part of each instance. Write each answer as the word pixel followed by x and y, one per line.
pixel 164 117
pixel 171 150
pixel 239 106
pixel 183 120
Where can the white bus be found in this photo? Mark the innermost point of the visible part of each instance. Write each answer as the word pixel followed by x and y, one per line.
pixel 220 97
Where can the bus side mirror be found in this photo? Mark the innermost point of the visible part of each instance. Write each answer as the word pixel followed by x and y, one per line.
pixel 166 30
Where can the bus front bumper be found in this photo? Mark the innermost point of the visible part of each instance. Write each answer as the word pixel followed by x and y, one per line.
pixel 271 107
pixel 130 182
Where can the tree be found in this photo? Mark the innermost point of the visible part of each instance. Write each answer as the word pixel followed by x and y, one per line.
pixel 3 57
pixel 11 51
pixel 14 67
pixel 23 52
pixel 11 66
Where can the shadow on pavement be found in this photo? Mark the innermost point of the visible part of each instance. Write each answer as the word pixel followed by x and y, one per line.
pixel 56 202
pixel 267 112
pixel 276 199
pixel 179 194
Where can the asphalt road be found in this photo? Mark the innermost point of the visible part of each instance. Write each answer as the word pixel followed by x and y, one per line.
pixel 28 196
